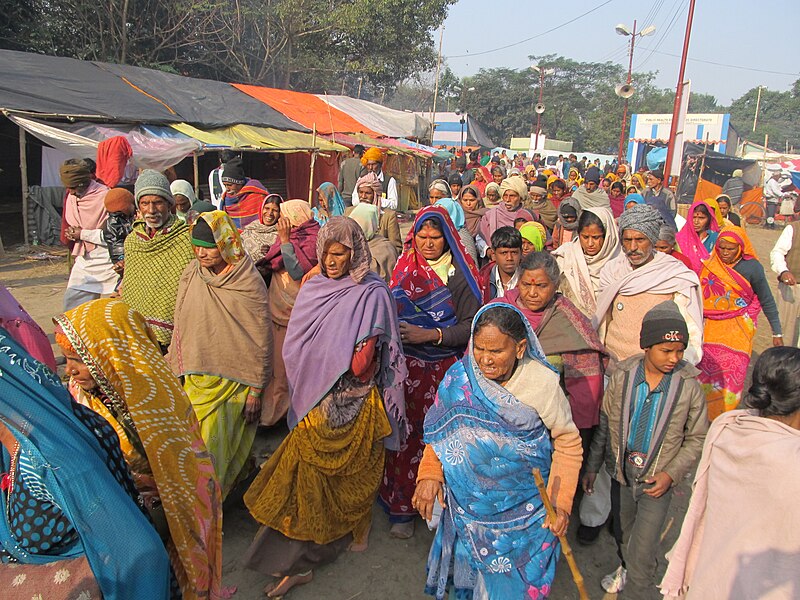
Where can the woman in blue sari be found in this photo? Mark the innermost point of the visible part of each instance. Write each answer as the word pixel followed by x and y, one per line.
pixel 68 497
pixel 329 203
pixel 499 413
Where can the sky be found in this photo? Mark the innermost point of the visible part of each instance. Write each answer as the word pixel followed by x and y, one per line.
pixel 756 37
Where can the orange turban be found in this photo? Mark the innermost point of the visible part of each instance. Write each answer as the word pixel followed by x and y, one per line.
pixel 372 154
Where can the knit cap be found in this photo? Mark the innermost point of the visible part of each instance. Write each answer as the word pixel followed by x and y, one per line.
pixel 592 174
pixel 663 323
pixel 642 218
pixel 153 183
pixel 233 172
pixel 118 200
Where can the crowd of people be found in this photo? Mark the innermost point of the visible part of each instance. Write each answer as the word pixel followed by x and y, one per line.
pixel 564 319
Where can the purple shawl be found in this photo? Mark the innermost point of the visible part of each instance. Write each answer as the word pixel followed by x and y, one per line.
pixel 329 318
pixel 304 240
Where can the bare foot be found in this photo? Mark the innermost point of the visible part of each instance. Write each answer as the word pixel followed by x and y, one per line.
pixel 402 531
pixel 286 584
pixel 360 546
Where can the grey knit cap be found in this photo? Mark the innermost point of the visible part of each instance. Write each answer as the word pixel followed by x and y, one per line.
pixel 152 182
pixel 643 218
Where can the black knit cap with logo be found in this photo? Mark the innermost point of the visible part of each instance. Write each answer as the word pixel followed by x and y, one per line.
pixel 663 323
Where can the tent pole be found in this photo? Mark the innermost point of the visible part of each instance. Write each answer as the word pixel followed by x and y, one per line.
pixel 23 168
pixel 196 166
pixel 313 162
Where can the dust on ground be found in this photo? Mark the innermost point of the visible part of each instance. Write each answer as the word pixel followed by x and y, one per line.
pixel 389 569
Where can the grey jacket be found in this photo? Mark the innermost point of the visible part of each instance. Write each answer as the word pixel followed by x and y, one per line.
pixel 678 438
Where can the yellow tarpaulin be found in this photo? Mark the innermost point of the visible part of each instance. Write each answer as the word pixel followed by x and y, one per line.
pixel 261 138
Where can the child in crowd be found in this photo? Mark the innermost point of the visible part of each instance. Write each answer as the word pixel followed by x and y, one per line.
pixel 502 273
pixel 121 208
pixel 653 423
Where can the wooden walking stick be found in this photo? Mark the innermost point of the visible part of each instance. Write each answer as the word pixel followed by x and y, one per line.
pixel 551 512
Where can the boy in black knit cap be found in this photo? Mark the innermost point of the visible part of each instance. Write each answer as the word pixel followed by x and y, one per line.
pixel 652 427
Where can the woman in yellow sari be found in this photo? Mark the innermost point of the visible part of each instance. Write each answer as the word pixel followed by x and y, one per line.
pixel 116 368
pixel 222 294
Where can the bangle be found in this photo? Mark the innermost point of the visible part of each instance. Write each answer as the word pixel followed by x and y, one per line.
pixel 439 341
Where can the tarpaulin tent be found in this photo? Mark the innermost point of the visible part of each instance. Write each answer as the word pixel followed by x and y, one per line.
pixel 307 110
pixel 717 169
pixel 390 122
pixel 257 138
pixel 448 131
pixel 202 101
pixel 51 85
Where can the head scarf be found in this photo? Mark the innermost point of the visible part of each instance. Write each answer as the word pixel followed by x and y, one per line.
pixel 371 180
pixel 642 218
pixel 226 236
pixel 571 202
pixel 473 217
pixel 455 211
pixel 515 184
pixel 368 218
pixel 715 211
pixel 441 185
pixel 68 455
pixel 334 200
pixel 184 188
pixel 349 234
pixel 75 174
pixel 303 235
pixel 22 328
pixel 297 211
pixel 269 199
pixel 124 358
pixel 689 242
pixel 638 198
pixel 495 187
pixel 638 180
pixel 529 231
pixel 372 154
pixel 738 235
pixel 422 297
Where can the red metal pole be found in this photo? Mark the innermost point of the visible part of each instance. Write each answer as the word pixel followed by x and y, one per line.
pixel 538 115
pixel 676 107
pixel 625 110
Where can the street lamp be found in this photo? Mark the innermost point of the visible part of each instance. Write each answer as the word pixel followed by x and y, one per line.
pixel 539 108
pixel 626 90
pixel 461 113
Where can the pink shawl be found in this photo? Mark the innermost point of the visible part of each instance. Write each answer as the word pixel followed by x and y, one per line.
pixel 24 330
pixel 498 217
pixel 689 243
pixel 86 212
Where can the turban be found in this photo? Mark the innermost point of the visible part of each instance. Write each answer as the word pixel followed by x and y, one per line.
pixel 530 168
pixel 515 184
pixel 118 200
pixel 233 172
pixel 441 185
pixel 75 174
pixel 642 218
pixel 737 173
pixel 538 190
pixel 592 174
pixel 371 180
pixel 663 323
pixel 153 183
pixel 372 154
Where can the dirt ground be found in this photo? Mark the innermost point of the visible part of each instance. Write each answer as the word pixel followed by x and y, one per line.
pixel 390 568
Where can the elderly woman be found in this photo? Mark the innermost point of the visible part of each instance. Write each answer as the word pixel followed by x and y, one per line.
pixel 735 290
pixel 666 244
pixel 568 339
pixel 369 189
pixel 697 238
pixel 491 196
pixel 116 369
pixel 564 230
pixel 498 174
pixel 435 286
pixel 384 254
pixel 539 204
pixel 71 525
pixel 439 189
pixel 329 203
pixel 221 292
pixel 314 496
pixel 258 236
pixel 582 259
pixel 499 413
pixel 750 456
pixel 458 218
pixel 289 258
pixel 514 192
pixel 183 192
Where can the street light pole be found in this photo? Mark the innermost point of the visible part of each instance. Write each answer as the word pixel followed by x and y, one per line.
pixel 538 114
pixel 625 109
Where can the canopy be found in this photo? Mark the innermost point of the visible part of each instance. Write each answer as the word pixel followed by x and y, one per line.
pixel 307 110
pixel 201 101
pixel 260 138
pixel 390 122
pixel 55 86
pixel 448 131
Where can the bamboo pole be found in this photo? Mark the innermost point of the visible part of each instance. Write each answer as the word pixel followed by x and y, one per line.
pixel 196 166
pixel 313 162
pixel 551 513
pixel 23 169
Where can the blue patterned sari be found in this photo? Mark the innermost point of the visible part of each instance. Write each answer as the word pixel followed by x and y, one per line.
pixel 490 542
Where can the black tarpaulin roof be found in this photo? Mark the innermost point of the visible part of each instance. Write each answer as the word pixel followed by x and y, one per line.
pixel 203 101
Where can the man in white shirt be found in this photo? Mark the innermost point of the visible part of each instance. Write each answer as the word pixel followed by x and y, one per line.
pixel 215 186
pixel 773 193
pixel 373 161
pixel 784 259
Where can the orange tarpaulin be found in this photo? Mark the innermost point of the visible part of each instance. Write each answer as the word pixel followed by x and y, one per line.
pixel 307 110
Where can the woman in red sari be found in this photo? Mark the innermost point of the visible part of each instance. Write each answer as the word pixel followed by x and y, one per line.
pixel 435 287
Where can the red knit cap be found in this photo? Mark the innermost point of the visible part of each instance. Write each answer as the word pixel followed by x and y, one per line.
pixel 118 200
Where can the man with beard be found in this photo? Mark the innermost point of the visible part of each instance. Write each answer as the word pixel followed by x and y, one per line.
pixel 630 285
pixel 156 253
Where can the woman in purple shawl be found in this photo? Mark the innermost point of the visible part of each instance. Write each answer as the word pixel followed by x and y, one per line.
pixel 513 192
pixel 314 496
